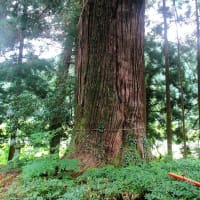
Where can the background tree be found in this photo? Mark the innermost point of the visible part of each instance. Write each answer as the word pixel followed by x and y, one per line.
pixel 155 90
pixel 198 58
pixel 64 90
pixel 24 21
pixel 156 121
pixel 181 81
pixel 167 81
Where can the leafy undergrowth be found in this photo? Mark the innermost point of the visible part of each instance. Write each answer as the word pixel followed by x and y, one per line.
pixel 58 181
pixel 6 179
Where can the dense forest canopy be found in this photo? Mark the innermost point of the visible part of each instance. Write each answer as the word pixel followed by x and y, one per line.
pixel 96 83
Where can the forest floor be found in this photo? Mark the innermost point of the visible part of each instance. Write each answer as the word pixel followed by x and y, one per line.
pixel 6 179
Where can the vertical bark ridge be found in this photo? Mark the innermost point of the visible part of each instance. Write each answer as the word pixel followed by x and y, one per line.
pixel 111 98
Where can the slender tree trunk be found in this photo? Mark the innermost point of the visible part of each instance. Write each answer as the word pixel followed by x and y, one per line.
pixel 61 85
pixel 21 48
pixel 11 152
pixel 198 60
pixel 55 140
pixel 167 82
pixel 13 137
pixel 56 122
pixel 110 109
pixel 180 72
pixel 22 30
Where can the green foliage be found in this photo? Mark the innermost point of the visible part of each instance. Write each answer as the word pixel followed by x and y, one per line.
pixel 155 88
pixel 150 180
pixel 44 178
pixel 38 105
pixel 30 76
pixel 25 18
pixel 7 32
pixel 39 139
pixel 132 156
pixel 3 154
pixel 147 181
pixel 49 166
pixel 40 189
pixel 15 164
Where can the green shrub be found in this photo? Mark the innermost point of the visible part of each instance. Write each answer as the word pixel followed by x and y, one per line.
pixel 149 181
pixel 39 189
pixel 45 178
pixel 15 164
pixel 3 153
pixel 49 166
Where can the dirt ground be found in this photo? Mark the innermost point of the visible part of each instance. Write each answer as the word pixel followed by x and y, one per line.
pixel 6 179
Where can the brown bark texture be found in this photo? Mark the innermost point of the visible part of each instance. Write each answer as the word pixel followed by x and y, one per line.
pixel 167 83
pixel 110 67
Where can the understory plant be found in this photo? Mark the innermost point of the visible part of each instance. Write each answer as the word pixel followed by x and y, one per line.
pixel 146 181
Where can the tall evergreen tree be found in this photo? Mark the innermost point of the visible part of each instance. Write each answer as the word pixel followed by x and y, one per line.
pixel 181 84
pixel 198 59
pixel 110 110
pixel 167 81
pixel 25 20
pixel 68 16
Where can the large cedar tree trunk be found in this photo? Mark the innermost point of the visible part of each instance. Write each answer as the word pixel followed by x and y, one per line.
pixel 110 65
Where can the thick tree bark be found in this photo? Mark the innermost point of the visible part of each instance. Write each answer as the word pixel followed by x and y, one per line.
pixel 167 83
pixel 110 107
